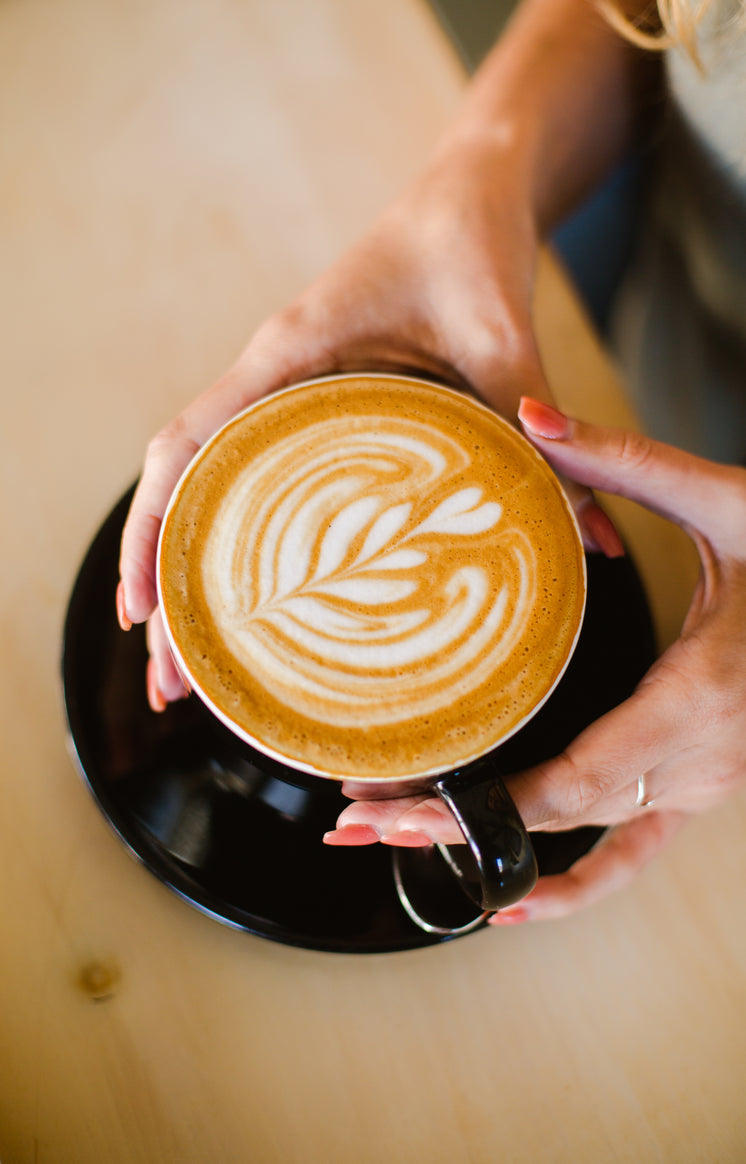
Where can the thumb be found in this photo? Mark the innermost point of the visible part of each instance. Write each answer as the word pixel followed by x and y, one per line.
pixel 686 489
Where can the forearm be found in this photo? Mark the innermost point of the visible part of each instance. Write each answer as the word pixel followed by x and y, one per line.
pixel 554 105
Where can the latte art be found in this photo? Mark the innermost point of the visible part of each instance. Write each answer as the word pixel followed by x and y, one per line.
pixel 337 590
pixel 371 577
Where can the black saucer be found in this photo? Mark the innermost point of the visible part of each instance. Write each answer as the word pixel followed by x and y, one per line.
pixel 240 837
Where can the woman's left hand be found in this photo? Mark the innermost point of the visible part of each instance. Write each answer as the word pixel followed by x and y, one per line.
pixel 677 746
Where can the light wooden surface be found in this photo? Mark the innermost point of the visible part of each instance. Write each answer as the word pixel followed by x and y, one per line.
pixel 171 172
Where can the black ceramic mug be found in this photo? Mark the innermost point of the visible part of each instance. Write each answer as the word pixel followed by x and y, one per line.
pixel 376 580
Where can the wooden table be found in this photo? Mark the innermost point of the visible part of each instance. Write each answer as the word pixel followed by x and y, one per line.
pixel 171 173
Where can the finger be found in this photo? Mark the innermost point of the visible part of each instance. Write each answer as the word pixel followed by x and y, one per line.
pixel 399 821
pixel 274 358
pixel 597 530
pixel 156 698
pixel 655 723
pixel 430 821
pixel 618 806
pixel 687 489
pixel 164 682
pixel 167 457
pixel 607 868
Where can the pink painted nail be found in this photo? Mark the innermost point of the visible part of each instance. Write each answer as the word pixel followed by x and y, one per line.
pixel 156 698
pixel 543 420
pixel 124 622
pixel 352 834
pixel 602 531
pixel 510 917
pixel 175 688
pixel 407 838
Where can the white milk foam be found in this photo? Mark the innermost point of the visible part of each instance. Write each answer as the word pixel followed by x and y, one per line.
pixel 356 624
pixel 373 578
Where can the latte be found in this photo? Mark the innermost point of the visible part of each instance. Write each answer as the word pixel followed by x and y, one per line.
pixel 371 577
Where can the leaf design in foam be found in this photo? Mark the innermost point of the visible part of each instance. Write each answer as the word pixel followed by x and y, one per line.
pixel 328 619
pixel 289 550
pixel 342 531
pixel 367 591
pixel 461 513
pixel 293 554
pixel 384 529
pixel 400 560
pixel 361 584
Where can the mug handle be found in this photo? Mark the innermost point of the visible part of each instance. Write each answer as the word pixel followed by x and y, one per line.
pixel 497 867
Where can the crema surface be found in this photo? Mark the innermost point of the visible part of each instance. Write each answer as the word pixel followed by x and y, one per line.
pixel 371 577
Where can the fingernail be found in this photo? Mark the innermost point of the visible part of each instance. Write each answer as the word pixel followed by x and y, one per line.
pixel 124 622
pixel 602 531
pixel 543 420
pixel 353 834
pixel 183 678
pixel 408 838
pixel 174 688
pixel 156 698
pixel 513 916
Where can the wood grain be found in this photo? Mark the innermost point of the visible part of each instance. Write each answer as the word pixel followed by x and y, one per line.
pixel 172 172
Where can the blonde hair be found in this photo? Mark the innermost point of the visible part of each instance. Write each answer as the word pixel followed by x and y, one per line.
pixel 660 25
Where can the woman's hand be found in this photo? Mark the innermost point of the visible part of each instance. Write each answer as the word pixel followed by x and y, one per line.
pixel 677 745
pixel 442 285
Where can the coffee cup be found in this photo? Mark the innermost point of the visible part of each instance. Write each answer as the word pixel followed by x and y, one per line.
pixel 375 579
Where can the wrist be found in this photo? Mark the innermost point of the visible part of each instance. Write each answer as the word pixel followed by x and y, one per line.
pixel 488 168
pixel 506 160
pixel 553 105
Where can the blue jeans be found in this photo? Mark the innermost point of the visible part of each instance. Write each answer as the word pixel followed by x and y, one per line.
pixel 597 241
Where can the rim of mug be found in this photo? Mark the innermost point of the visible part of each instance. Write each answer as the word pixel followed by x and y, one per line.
pixel 291 761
